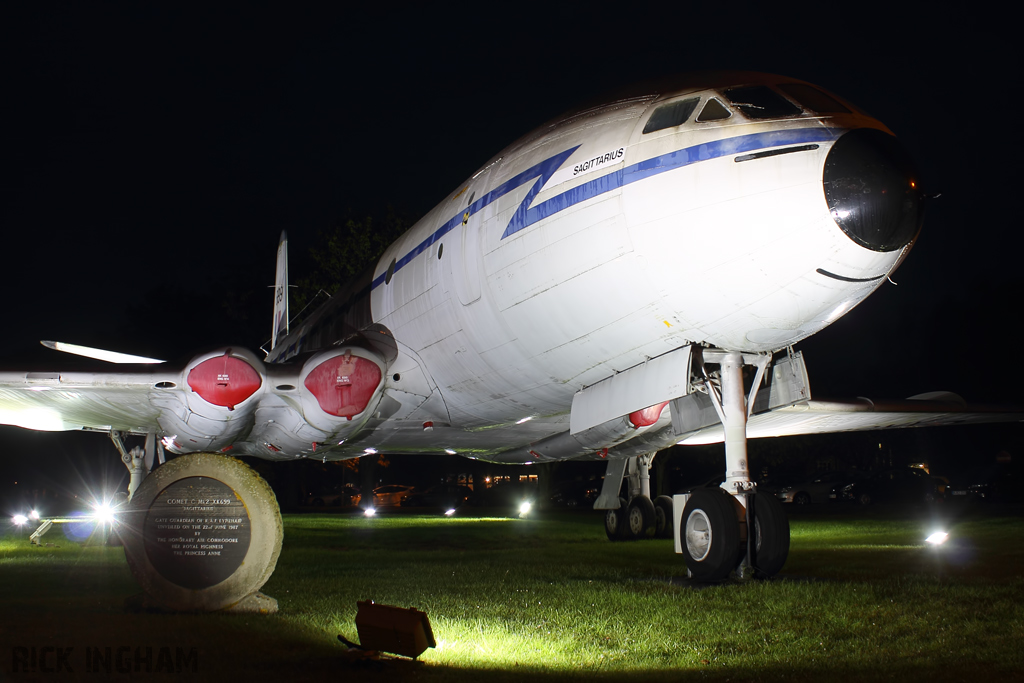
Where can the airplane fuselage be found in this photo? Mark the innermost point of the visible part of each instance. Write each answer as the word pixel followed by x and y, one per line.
pixel 607 238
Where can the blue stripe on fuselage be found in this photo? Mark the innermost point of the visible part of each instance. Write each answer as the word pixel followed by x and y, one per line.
pixel 525 215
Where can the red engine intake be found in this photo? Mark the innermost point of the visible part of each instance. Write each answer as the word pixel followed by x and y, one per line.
pixel 647 416
pixel 224 380
pixel 344 385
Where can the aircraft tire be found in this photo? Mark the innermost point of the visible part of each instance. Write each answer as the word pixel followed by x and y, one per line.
pixel 771 535
pixel 615 522
pixel 710 534
pixel 203 533
pixel 639 517
pixel 802 498
pixel 663 517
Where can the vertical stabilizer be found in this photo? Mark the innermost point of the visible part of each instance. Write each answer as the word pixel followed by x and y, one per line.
pixel 281 293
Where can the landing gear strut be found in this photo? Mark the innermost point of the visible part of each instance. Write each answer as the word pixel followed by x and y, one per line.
pixel 631 518
pixel 721 528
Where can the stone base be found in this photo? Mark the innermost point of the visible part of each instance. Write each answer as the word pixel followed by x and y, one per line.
pixel 254 603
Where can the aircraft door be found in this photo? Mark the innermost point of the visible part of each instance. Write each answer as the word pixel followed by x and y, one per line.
pixel 464 264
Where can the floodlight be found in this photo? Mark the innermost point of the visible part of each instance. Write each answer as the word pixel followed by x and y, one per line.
pixel 19 520
pixel 103 513
pixel 34 515
pixel 449 513
pixel 938 538
pixel 524 507
pixel 370 512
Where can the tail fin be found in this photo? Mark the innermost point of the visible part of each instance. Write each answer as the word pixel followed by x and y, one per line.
pixel 281 293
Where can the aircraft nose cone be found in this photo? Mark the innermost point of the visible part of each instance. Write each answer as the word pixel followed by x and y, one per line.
pixel 873 190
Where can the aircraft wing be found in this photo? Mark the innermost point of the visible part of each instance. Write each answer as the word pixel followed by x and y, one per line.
pixel 861 414
pixel 62 401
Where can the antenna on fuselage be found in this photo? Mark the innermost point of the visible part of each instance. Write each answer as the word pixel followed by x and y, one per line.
pixel 280 330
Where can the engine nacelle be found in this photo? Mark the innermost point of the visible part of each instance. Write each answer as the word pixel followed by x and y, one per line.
pixel 213 407
pixel 338 387
pixel 331 397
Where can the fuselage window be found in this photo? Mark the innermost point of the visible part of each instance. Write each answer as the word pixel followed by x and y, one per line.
pixel 671 115
pixel 390 274
pixel 713 111
pixel 811 98
pixel 761 102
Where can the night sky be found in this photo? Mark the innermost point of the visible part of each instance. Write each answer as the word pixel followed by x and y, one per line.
pixel 152 156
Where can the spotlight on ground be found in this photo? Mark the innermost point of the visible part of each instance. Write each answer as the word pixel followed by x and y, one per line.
pixel 103 513
pixel 937 538
pixel 34 515
pixel 19 520
pixel 370 512
pixel 449 513
pixel 524 508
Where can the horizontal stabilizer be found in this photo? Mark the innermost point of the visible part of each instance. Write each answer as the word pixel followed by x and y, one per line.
pixel 99 354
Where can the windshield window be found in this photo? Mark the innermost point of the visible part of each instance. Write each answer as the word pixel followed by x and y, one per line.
pixel 670 115
pixel 761 102
pixel 714 111
pixel 811 98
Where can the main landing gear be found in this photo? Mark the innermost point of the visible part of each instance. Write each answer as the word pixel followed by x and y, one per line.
pixel 201 533
pixel 638 516
pixel 718 530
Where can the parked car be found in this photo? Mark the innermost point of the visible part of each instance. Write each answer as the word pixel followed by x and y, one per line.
pixel 340 496
pixel 390 495
pixel 573 494
pixel 447 496
pixel 904 485
pixel 985 485
pixel 818 490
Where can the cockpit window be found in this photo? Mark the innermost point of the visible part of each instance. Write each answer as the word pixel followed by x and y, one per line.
pixel 811 98
pixel 670 115
pixel 714 111
pixel 761 102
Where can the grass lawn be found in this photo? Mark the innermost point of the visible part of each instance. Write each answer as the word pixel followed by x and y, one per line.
pixel 861 598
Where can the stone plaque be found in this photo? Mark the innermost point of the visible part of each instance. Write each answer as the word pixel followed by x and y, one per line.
pixel 197 532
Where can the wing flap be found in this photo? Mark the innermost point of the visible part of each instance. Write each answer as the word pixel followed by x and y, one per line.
pixel 826 417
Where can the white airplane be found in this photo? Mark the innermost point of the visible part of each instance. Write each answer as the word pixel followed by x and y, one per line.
pixel 594 291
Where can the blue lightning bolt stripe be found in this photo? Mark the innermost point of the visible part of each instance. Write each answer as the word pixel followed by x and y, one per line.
pixel 527 215
pixel 542 171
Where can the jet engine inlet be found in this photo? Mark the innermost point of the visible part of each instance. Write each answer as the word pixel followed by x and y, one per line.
pixel 873 190
pixel 344 385
pixel 224 380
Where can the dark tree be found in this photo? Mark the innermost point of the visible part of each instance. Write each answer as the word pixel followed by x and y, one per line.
pixel 345 250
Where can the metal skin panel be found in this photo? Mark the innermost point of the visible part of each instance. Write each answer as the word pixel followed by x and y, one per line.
pixel 578 252
pixel 659 379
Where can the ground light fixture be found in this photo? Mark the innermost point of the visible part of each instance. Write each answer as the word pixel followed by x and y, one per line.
pixel 369 512
pixel 524 508
pixel 19 520
pixel 103 513
pixel 403 631
pixel 449 513
pixel 937 538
